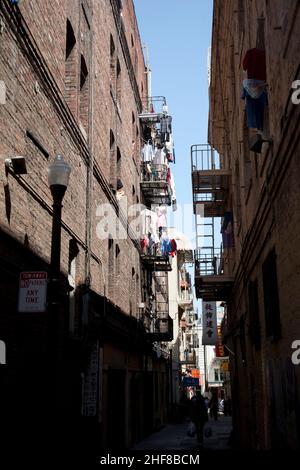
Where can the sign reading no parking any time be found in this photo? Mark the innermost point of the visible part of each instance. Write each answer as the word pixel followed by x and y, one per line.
pixel 32 291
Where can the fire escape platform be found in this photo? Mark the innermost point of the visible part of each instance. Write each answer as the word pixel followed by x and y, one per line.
pixel 213 287
pixel 210 190
pixel 156 192
pixel 156 263
pixel 150 117
pixel 207 180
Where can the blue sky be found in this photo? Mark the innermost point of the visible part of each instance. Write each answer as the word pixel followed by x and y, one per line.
pixel 178 35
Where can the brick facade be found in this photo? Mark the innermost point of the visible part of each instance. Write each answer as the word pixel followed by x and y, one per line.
pixel 264 198
pixel 68 93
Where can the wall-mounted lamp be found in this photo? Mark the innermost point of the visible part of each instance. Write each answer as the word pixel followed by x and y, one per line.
pixel 17 165
pixel 256 143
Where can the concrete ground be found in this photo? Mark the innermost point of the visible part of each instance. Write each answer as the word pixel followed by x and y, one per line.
pixel 174 437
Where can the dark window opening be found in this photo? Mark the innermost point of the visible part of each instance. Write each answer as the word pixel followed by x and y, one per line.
pixel 254 327
pixel 246 155
pixel 271 297
pixel 111 277
pixel 84 93
pixel 112 166
pixel 119 163
pixel 119 89
pixel 117 260
pixel 70 69
pixel 70 40
pixel 243 342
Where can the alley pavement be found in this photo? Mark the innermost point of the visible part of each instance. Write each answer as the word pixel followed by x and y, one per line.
pixel 174 437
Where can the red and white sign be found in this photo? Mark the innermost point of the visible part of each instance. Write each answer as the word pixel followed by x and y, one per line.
pixel 33 291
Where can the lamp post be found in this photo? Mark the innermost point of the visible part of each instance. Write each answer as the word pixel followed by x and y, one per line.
pixel 58 179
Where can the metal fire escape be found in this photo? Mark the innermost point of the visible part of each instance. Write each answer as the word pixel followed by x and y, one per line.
pixel 154 183
pixel 210 182
pixel 159 324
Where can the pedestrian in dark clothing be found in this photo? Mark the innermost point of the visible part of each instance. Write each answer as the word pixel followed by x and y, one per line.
pixel 214 407
pixel 198 414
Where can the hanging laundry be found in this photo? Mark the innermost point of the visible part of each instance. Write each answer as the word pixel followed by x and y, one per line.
pixel 254 63
pixel 151 245
pixel 227 230
pixel 161 213
pixel 166 127
pixel 254 88
pixel 255 93
pixel 147 152
pixel 160 157
pixel 144 244
pixel 168 177
pixel 169 149
pixel 165 244
pixel 173 250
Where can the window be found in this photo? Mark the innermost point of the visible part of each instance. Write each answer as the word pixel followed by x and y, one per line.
pixel 112 65
pixel 271 297
pixel 117 260
pixel 84 93
pixel 111 280
pixel 133 132
pixel 119 89
pixel 112 166
pixel 70 69
pixel 241 16
pixel 73 253
pixel 216 373
pixel 246 156
pixel 238 192
pixel 119 163
pixel 243 342
pixel 254 327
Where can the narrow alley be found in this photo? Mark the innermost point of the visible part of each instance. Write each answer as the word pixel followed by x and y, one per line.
pixel 174 437
pixel 149 227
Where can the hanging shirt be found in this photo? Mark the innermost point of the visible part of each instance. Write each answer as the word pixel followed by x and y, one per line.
pixel 255 63
pixel 173 247
pixel 147 153
pixel 255 109
pixel 161 213
pixel 166 125
pixel 254 88
pixel 160 157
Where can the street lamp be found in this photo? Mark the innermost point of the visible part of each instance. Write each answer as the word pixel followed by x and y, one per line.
pixel 58 179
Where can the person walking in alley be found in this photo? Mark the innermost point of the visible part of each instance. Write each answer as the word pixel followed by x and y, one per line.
pixel 214 407
pixel 198 414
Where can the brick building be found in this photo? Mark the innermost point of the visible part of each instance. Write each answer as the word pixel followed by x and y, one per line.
pixel 246 183
pixel 73 82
